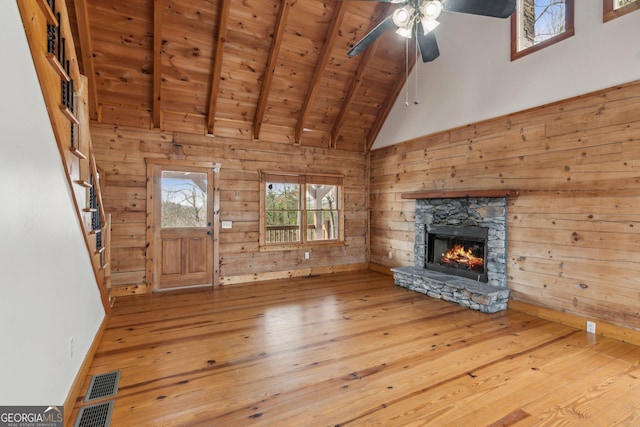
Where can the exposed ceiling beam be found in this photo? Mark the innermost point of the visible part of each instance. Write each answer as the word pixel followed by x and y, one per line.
pixel 158 7
pixel 388 103
pixel 353 89
pixel 221 39
pixel 271 67
pixel 325 54
pixel 357 82
pixel 84 34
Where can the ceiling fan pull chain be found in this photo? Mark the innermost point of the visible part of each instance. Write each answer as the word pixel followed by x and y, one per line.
pixel 416 101
pixel 406 72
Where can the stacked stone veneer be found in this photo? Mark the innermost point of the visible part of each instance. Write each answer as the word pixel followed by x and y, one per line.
pixel 488 212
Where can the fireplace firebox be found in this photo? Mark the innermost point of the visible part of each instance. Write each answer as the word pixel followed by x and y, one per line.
pixel 457 250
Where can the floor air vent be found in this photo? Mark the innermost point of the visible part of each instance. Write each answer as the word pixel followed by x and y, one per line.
pixel 103 385
pixel 96 415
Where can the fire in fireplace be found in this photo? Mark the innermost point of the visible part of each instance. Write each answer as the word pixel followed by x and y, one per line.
pixel 457 250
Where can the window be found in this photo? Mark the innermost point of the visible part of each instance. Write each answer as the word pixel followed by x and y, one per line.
pixel 184 199
pixel 537 24
pixel 300 210
pixel 614 8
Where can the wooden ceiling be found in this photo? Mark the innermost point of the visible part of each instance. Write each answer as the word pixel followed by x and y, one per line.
pixel 265 70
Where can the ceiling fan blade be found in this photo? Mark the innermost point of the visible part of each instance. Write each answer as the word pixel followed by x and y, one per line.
pixel 428 45
pixel 383 26
pixel 494 8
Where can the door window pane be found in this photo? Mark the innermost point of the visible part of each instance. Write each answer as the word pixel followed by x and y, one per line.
pixel 184 199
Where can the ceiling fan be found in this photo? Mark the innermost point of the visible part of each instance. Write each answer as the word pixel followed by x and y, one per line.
pixel 420 16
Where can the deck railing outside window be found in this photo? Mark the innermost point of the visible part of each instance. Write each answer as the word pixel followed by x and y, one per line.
pixel 287 233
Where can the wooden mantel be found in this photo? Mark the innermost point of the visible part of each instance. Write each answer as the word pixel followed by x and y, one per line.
pixel 446 194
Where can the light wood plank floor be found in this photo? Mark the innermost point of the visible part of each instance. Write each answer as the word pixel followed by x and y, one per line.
pixel 352 349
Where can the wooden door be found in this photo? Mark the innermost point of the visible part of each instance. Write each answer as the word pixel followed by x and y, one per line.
pixel 182 219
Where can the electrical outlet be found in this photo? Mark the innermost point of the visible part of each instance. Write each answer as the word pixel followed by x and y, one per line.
pixel 307 255
pixel 591 327
pixel 390 255
pixel 71 348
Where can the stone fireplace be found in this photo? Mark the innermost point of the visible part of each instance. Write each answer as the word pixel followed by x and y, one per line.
pixel 460 248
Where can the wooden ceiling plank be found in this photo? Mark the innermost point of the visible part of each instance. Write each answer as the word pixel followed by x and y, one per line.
pixel 388 104
pixel 147 62
pixel 221 39
pixel 86 49
pixel 325 54
pixel 358 79
pixel 158 7
pixel 353 89
pixel 271 67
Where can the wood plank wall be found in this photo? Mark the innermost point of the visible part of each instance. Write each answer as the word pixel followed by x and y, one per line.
pixel 121 153
pixel 573 233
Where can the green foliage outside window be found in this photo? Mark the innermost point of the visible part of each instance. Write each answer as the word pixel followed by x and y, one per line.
pixel 286 213
pixel 282 213
pixel 621 3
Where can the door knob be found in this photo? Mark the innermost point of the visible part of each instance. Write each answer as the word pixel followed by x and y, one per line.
pixel 209 232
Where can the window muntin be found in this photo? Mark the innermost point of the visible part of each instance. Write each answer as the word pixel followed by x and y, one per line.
pixel 292 203
pixel 537 24
pixel 615 8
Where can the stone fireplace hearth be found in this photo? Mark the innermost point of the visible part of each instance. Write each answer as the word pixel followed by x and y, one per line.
pixel 486 211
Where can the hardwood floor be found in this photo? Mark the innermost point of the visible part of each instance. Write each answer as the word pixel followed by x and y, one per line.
pixel 352 349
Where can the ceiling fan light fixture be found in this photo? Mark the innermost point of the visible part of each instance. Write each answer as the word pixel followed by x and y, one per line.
pixel 431 9
pixel 429 25
pixel 429 13
pixel 403 19
pixel 402 16
pixel 404 32
pixel 419 18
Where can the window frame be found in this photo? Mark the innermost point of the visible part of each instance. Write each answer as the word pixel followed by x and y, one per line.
pixel 303 179
pixel 568 32
pixel 609 13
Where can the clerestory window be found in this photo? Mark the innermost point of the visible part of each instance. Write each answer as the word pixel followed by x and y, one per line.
pixel 537 24
pixel 615 8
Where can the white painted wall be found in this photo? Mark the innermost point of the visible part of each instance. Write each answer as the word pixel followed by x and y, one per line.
pixel 474 79
pixel 48 292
